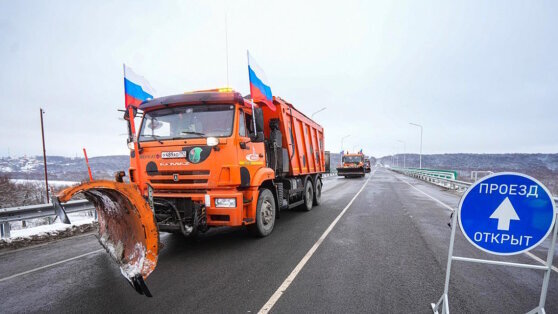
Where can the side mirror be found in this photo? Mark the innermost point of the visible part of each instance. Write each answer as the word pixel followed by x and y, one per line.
pixel 127 114
pixel 258 115
pixel 258 136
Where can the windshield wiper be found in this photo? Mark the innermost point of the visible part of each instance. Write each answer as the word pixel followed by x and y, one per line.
pixel 158 139
pixel 191 132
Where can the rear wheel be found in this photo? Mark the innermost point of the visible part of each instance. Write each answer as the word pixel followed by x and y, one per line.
pixel 265 215
pixel 308 195
pixel 318 192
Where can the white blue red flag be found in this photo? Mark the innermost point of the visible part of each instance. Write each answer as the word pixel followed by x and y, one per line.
pixel 136 88
pixel 259 86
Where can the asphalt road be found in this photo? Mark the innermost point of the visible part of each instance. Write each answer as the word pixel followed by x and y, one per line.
pixel 387 253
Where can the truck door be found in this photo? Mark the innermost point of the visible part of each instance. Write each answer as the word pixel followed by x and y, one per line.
pixel 250 155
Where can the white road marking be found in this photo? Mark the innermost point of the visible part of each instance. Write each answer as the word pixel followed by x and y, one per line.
pixel 49 265
pixel 47 243
pixel 431 197
pixel 540 260
pixel 531 255
pixel 279 292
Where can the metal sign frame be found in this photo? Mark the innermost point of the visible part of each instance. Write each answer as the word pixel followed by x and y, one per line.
pixel 443 302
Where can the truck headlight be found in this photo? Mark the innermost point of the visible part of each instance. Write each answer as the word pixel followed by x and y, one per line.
pixel 212 141
pixel 225 202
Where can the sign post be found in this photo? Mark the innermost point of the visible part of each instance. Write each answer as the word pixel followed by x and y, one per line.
pixel 504 214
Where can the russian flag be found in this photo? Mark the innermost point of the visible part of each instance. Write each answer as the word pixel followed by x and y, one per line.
pixel 259 87
pixel 136 88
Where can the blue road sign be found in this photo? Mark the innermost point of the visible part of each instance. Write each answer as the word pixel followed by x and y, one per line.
pixel 506 213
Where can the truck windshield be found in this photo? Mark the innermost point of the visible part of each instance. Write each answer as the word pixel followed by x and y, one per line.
pixel 355 159
pixel 192 121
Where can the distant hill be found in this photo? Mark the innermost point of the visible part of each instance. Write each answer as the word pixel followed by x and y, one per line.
pixel 63 168
pixel 543 167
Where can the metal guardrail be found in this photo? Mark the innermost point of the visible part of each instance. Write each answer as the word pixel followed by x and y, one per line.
pixel 442 178
pixel 20 213
pixel 438 179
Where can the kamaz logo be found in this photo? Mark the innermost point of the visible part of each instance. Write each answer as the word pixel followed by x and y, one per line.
pixel 175 177
pixel 170 164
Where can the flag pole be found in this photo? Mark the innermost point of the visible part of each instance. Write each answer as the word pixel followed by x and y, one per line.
pixel 132 128
pixel 251 96
pixel 227 45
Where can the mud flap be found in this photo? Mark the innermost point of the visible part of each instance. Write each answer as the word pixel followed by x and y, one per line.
pixel 127 227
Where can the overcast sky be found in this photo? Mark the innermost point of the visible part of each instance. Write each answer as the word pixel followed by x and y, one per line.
pixel 481 76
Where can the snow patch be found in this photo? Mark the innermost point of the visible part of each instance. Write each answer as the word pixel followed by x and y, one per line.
pixel 48 230
pixel 136 261
pixel 56 183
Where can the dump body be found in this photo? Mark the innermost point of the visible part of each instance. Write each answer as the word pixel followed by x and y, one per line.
pixel 302 138
pixel 352 165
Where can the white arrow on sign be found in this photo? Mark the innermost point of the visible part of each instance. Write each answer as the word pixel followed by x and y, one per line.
pixel 504 213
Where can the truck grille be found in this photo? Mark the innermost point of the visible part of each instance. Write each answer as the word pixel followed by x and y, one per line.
pixel 179 180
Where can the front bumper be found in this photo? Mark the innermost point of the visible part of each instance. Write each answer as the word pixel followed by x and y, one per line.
pixel 216 216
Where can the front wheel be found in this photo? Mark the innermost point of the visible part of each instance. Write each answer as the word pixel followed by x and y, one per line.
pixel 265 215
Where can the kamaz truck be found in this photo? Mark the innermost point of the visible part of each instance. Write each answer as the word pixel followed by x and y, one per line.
pixel 352 165
pixel 202 160
pixel 367 167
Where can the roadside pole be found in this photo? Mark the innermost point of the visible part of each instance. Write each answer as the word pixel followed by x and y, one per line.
pixel 44 157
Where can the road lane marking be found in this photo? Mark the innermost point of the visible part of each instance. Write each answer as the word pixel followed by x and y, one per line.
pixel 540 260
pixel 49 265
pixel 431 197
pixel 531 255
pixel 285 285
pixel 35 246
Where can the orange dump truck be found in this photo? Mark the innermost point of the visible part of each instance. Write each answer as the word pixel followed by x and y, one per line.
pixel 352 165
pixel 201 160
pixel 367 167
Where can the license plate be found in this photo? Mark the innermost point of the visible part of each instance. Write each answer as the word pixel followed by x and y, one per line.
pixel 180 154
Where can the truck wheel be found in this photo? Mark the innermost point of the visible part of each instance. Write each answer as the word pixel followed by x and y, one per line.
pixel 265 215
pixel 318 192
pixel 308 195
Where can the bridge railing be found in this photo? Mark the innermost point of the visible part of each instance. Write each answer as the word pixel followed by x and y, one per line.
pixel 22 213
pixel 445 178
pixel 439 178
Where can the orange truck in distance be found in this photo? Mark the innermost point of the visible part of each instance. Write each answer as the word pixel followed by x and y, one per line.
pixel 352 165
pixel 201 160
pixel 367 166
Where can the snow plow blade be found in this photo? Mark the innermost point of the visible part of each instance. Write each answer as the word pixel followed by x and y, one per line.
pixel 345 171
pixel 127 227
